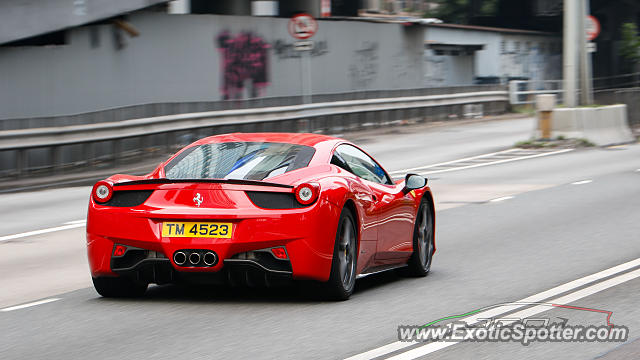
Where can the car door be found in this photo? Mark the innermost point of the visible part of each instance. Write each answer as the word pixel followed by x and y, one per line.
pixel 368 218
pixel 392 207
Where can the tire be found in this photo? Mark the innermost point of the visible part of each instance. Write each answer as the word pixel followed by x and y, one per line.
pixel 344 263
pixel 119 287
pixel 420 262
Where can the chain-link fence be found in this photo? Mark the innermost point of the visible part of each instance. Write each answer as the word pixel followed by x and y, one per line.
pixel 631 80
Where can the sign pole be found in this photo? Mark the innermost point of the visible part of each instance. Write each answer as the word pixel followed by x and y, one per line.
pixel 586 80
pixel 302 27
pixel 570 38
pixel 305 77
pixel 306 55
pixel 302 80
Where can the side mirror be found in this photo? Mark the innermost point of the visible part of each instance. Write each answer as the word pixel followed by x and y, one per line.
pixel 414 182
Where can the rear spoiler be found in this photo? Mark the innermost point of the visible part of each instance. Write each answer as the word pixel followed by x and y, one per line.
pixel 208 181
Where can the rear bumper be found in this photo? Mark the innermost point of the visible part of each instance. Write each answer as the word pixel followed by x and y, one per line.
pixel 307 234
pixel 153 267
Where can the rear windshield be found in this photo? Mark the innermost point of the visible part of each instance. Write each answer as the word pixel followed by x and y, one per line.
pixel 238 160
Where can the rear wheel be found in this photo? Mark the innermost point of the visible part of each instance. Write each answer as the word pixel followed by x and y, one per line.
pixel 423 247
pixel 343 266
pixel 119 287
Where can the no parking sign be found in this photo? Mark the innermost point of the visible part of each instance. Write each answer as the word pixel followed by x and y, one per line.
pixel 302 26
pixel 592 27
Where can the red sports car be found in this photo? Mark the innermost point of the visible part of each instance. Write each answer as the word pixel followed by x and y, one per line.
pixel 254 209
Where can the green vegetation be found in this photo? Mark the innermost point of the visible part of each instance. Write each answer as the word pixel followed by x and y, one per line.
pixel 458 11
pixel 630 44
pixel 558 142
pixel 524 109
pixel 585 143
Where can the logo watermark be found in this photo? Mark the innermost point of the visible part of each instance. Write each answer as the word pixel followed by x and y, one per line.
pixel 514 329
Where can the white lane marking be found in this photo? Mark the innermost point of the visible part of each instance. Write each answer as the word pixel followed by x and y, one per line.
pixel 637 170
pixel 38 232
pixel 83 221
pixel 577 295
pixel 40 302
pixel 582 182
pixel 432 347
pixel 383 350
pixel 502 198
pixel 452 161
pixel 539 297
pixel 496 162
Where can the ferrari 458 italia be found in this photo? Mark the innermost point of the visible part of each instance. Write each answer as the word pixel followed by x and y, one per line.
pixel 256 209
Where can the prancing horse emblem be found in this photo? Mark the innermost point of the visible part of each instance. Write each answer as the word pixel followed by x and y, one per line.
pixel 198 199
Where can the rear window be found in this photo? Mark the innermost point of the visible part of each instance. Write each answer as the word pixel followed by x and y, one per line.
pixel 238 160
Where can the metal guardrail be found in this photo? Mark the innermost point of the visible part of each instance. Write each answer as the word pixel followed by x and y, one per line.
pixel 524 92
pixel 631 80
pixel 57 148
pixel 161 109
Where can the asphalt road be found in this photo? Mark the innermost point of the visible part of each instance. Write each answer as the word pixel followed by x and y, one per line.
pixel 504 232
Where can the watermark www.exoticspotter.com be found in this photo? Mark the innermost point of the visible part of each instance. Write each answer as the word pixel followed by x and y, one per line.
pixel 517 332
pixel 513 329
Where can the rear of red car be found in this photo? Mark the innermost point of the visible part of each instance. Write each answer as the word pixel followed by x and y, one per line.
pixel 208 217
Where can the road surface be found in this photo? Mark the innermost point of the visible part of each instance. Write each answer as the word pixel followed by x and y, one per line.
pixel 506 231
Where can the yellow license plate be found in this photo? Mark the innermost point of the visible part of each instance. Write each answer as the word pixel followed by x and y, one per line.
pixel 197 229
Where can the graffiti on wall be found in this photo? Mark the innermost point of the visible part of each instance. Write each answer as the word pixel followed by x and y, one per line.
pixel 436 70
pixel 405 67
pixel 553 66
pixel 286 50
pixel 364 67
pixel 534 64
pixel 244 59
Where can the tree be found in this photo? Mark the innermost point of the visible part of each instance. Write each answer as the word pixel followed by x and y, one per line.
pixel 452 11
pixel 630 46
pixel 460 11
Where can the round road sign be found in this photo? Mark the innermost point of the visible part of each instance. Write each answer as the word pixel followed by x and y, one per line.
pixel 592 27
pixel 302 26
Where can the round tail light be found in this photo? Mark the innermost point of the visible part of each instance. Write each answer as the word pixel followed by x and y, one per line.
pixel 102 191
pixel 307 193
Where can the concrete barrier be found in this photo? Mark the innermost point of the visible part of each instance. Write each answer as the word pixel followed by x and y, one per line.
pixel 602 125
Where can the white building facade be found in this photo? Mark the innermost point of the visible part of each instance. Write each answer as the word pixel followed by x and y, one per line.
pixel 462 55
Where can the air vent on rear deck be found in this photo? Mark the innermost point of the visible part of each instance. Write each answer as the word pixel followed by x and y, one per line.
pixel 274 200
pixel 128 198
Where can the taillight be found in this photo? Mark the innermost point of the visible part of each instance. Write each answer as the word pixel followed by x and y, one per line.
pixel 307 193
pixel 119 250
pixel 102 191
pixel 279 252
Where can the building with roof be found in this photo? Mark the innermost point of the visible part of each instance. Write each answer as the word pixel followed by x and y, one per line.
pixel 26 19
pixel 463 54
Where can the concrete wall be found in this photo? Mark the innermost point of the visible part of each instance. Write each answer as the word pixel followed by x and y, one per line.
pixel 185 58
pixel 532 57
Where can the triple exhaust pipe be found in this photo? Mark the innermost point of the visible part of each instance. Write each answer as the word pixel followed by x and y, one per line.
pixel 195 258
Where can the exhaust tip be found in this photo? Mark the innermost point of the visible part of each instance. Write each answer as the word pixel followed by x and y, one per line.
pixel 180 258
pixel 194 258
pixel 210 258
